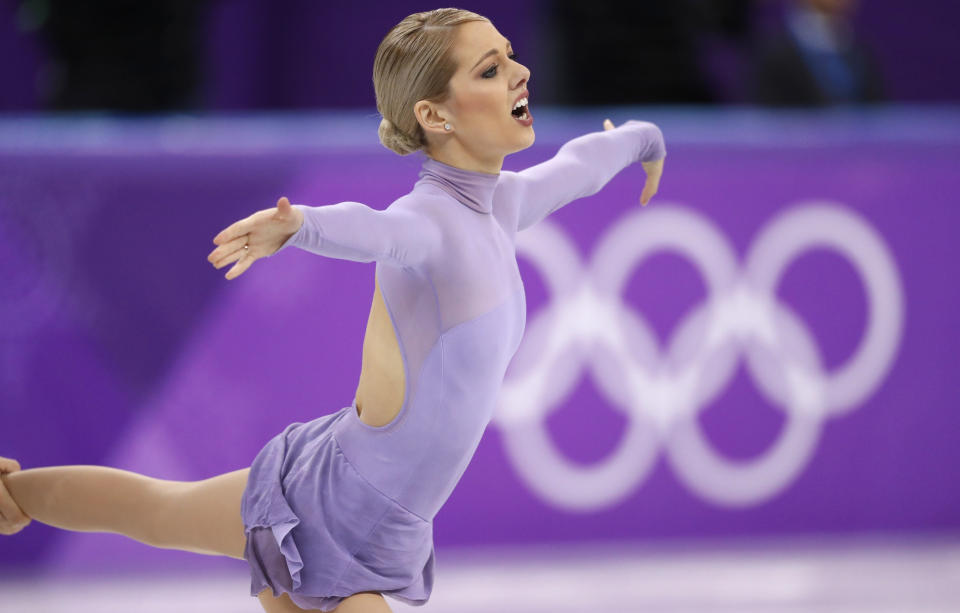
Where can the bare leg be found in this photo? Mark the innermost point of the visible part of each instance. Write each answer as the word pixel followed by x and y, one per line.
pixel 364 602
pixel 198 516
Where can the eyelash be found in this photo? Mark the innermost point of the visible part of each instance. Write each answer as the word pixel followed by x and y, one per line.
pixel 512 56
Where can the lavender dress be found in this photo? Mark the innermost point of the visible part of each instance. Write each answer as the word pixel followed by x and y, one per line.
pixel 336 506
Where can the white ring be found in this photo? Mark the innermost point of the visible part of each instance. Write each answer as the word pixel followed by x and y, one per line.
pixel 588 328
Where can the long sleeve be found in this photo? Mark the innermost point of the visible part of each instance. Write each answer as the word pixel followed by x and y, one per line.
pixel 354 231
pixel 580 168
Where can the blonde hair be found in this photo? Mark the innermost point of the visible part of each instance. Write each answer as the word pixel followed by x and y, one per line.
pixel 414 63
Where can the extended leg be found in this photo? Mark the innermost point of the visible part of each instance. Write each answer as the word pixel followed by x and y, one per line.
pixel 198 516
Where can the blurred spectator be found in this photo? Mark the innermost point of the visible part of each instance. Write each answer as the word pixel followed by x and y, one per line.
pixel 815 60
pixel 611 52
pixel 120 55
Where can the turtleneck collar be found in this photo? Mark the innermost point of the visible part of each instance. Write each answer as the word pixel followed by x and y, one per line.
pixel 469 187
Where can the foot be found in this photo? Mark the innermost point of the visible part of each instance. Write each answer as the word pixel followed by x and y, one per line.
pixel 12 517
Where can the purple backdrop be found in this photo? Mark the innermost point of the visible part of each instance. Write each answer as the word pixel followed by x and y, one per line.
pixel 304 54
pixel 807 235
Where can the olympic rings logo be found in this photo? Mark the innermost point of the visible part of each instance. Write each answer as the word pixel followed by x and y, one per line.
pixel 587 325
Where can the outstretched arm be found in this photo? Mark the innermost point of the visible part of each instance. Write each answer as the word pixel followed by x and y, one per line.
pixel 354 231
pixel 347 230
pixel 580 168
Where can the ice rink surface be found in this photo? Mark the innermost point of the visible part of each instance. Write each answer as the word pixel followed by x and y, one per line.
pixel 837 576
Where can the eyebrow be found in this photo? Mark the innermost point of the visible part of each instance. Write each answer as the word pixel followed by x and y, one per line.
pixel 489 53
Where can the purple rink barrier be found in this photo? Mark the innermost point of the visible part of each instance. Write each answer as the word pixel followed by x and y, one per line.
pixel 767 349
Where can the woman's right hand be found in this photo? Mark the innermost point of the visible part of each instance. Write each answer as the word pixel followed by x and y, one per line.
pixel 254 237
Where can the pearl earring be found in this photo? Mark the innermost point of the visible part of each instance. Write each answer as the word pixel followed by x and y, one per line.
pixel 447 126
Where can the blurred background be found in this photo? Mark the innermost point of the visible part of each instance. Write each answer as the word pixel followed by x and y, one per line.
pixel 241 55
pixel 763 417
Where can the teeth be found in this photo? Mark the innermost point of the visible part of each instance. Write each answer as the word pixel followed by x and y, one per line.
pixel 520 102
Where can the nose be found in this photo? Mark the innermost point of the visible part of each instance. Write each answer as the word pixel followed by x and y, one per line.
pixel 525 77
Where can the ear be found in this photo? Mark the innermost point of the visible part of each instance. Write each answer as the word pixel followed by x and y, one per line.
pixel 431 117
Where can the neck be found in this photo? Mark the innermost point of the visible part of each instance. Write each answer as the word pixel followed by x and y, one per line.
pixel 452 154
pixel 472 188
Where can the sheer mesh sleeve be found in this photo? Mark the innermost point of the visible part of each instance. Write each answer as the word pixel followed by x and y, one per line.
pixel 354 231
pixel 580 168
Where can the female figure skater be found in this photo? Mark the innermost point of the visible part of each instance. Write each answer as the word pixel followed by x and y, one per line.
pixel 337 512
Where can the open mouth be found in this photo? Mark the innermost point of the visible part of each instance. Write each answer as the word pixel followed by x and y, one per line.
pixel 520 111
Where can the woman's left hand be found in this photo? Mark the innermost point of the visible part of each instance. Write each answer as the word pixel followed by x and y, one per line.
pixel 653 169
pixel 12 517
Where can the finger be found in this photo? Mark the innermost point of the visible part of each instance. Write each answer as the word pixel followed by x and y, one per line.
pixel 649 189
pixel 231 257
pixel 240 267
pixel 237 228
pixel 283 204
pixel 607 124
pixel 227 248
pixel 9 465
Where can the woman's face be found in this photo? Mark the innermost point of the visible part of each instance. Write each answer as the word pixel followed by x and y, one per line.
pixel 484 89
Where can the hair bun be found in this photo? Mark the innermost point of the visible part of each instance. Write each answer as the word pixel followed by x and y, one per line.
pixel 395 140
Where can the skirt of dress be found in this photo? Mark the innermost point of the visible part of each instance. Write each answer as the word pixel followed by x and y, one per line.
pixel 317 530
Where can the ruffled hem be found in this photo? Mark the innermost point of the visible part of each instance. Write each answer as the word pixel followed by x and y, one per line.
pixel 268 508
pixel 281 520
pixel 265 558
pixel 288 548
